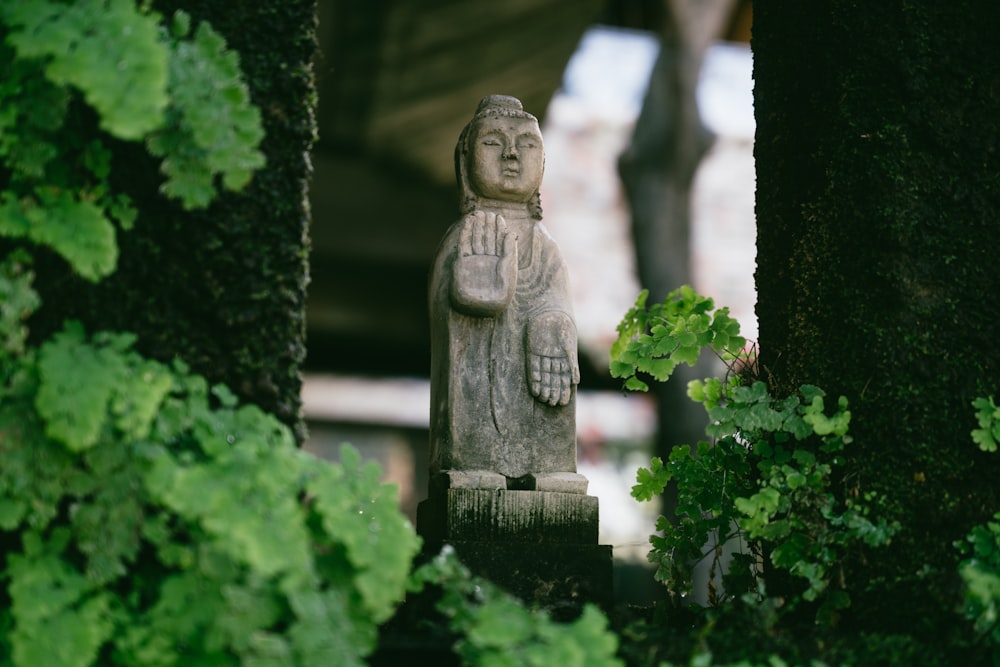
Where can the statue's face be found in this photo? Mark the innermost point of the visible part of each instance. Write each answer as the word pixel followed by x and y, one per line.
pixel 506 159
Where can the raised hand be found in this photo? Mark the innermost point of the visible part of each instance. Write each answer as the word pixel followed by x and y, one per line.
pixel 553 369
pixel 485 272
pixel 485 234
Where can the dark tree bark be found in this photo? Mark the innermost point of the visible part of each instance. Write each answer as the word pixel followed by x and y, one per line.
pixel 877 200
pixel 223 289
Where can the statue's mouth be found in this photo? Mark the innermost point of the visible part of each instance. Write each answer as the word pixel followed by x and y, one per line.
pixel 511 171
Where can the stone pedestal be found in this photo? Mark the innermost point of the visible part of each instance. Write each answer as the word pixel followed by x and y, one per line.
pixel 538 545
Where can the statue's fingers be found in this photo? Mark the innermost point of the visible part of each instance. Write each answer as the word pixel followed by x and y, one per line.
pixel 478 232
pixel 505 242
pixel 560 378
pixel 536 375
pixel 546 392
pixel 567 390
pixel 503 233
pixel 490 235
pixel 465 237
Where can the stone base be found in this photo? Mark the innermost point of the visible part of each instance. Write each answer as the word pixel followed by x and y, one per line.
pixel 557 482
pixel 525 517
pixel 540 546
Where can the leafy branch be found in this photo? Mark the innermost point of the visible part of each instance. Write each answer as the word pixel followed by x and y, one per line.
pixel 655 339
pixel 762 482
pixel 496 630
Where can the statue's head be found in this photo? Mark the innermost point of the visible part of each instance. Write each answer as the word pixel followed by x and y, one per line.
pixel 500 156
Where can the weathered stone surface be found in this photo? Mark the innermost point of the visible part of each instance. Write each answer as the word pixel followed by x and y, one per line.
pixel 504 364
pixel 466 479
pixel 557 482
pixel 521 517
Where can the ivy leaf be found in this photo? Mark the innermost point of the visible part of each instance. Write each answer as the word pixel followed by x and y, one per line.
pixel 59 621
pixel 651 481
pixel 76 229
pixel 81 42
pixel 360 513
pixel 18 300
pixel 77 381
pixel 245 500
pixel 988 416
pixel 212 128
pixel 326 632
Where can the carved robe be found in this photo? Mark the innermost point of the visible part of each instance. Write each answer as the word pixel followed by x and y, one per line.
pixel 483 415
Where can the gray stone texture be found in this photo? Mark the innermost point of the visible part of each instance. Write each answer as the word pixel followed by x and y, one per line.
pixel 527 517
pixel 540 546
pixel 504 364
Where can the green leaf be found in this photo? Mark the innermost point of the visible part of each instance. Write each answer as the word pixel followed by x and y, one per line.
pixel 635 384
pixel 327 631
pixel 620 369
pixel 18 300
pixel 59 621
pixel 984 439
pixel 77 381
pixel 77 230
pixel 212 127
pixel 988 416
pixel 790 552
pixel 502 624
pixel 244 498
pixel 361 513
pixel 82 42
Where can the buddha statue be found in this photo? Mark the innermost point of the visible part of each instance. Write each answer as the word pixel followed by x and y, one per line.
pixel 504 366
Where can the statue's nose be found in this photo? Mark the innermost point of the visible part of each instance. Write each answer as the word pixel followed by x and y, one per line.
pixel 510 153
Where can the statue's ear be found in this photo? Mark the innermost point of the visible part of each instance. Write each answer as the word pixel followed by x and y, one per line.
pixel 466 197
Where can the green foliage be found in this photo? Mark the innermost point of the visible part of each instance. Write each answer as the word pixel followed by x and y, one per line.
pixel 705 660
pixel 764 481
pixel 107 50
pixel 17 301
pixel 769 483
pixel 981 575
pixel 147 518
pixel 495 630
pixel 763 484
pixel 988 416
pixel 211 127
pixel 151 518
pixel 653 340
pixel 184 97
pixel 77 230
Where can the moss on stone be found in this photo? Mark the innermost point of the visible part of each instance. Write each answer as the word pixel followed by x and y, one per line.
pixel 878 189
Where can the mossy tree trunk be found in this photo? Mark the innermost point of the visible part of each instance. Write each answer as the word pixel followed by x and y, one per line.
pixel 878 191
pixel 223 289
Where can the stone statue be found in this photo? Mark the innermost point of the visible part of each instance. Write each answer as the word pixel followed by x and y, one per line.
pixel 504 364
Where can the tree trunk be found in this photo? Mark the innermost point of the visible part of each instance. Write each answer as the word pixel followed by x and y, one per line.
pixel 877 200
